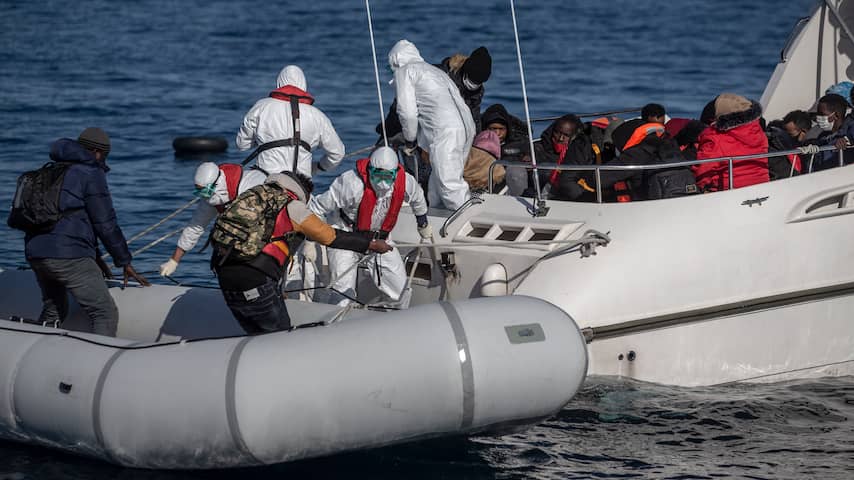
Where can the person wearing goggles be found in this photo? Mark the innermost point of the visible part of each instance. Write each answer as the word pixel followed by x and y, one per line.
pixel 369 199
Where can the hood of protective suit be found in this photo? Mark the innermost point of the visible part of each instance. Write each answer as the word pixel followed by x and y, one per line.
pixel 292 75
pixel 384 158
pixel 206 174
pixel 403 53
pixel 289 183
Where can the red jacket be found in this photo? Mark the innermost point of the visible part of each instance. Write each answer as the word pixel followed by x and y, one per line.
pixel 746 139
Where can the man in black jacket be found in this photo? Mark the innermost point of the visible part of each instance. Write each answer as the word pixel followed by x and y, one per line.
pixel 66 258
pixel 564 143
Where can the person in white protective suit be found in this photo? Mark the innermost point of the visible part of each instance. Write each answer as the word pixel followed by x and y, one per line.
pixel 216 186
pixel 369 199
pixel 433 114
pixel 271 120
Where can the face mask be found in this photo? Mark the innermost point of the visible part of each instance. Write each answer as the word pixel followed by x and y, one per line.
pixel 824 123
pixel 205 192
pixel 381 186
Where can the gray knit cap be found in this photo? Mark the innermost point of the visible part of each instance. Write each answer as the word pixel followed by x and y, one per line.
pixel 94 138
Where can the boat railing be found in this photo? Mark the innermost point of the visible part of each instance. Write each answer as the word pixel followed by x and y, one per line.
pixel 731 161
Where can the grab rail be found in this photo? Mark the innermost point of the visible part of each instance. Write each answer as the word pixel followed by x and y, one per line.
pixel 598 168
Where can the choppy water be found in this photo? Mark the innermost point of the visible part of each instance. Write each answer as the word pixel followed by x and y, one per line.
pixel 151 70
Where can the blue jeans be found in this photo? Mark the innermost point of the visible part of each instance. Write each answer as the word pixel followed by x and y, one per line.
pixel 259 310
pixel 82 278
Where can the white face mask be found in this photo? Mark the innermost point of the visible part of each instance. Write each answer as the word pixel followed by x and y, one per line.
pixel 824 123
pixel 382 187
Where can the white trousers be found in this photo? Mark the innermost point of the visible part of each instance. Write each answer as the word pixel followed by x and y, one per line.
pixel 390 280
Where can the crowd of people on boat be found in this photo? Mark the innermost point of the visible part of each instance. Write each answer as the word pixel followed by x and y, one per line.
pixel 262 214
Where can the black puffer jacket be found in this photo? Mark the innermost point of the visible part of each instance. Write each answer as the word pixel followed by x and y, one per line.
pixel 580 152
pixel 453 67
pixel 516 145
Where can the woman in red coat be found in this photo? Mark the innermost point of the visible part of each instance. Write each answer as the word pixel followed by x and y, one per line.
pixel 736 132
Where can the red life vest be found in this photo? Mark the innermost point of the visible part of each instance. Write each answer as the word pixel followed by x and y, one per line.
pixel 285 93
pixel 233 174
pixel 278 249
pixel 369 199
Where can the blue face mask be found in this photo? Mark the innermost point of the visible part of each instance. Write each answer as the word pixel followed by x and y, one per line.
pixel 205 192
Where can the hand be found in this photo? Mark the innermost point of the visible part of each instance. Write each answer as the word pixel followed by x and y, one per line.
pixel 309 251
pixel 379 246
pixel 809 149
pixel 129 272
pixel 843 143
pixel 105 269
pixel 168 268
pixel 409 148
pixel 426 231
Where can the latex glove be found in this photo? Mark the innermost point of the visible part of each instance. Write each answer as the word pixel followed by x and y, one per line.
pixel 809 149
pixel 409 148
pixel 168 268
pixel 309 251
pixel 426 231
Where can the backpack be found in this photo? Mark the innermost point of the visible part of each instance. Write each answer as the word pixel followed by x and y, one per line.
pixel 671 182
pixel 246 226
pixel 35 207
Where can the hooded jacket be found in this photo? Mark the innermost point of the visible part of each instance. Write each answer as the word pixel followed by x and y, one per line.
pixel 432 112
pixel 580 152
pixel 270 119
pixel 85 190
pixel 733 134
pixel 516 144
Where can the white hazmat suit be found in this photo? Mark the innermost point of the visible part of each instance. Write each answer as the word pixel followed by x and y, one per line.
pixel 270 119
pixel 208 173
pixel 345 195
pixel 433 113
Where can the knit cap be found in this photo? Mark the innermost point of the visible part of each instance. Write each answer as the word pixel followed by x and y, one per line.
pixel 478 66
pixel 488 141
pixel 95 139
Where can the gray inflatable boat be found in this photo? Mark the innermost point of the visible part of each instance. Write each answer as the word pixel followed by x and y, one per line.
pixel 180 388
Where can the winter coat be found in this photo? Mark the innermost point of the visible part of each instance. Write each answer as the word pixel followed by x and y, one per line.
pixel 830 159
pixel 453 67
pixel 516 144
pixel 734 134
pixel 580 152
pixel 270 119
pixel 85 190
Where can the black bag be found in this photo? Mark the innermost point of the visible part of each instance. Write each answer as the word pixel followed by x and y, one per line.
pixel 675 182
pixel 35 207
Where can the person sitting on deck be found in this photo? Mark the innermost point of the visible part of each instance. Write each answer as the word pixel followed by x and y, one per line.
pixel 736 131
pixel 216 186
pixel 837 129
pixel 250 254
pixel 644 143
pixel 288 115
pixel 653 113
pixel 513 134
pixel 368 200
pixel 563 143
pixel 484 152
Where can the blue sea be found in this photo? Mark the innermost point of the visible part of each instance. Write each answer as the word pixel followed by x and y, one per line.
pixel 151 70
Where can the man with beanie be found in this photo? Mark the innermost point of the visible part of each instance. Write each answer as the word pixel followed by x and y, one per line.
pixel 736 131
pixel 368 199
pixel 66 258
pixel 469 74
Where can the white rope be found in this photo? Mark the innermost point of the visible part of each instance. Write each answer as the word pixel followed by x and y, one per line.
pixel 376 69
pixel 525 100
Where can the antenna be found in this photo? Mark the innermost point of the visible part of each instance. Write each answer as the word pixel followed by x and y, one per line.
pixel 377 70
pixel 540 209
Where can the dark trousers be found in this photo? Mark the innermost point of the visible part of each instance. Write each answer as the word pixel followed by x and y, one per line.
pixel 82 278
pixel 259 310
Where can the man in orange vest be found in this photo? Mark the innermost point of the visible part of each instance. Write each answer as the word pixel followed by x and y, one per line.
pixel 369 199
pixel 216 186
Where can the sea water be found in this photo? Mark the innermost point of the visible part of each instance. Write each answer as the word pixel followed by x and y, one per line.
pixel 152 70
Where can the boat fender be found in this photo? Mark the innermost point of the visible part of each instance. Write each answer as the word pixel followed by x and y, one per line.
pixel 493 282
pixel 199 145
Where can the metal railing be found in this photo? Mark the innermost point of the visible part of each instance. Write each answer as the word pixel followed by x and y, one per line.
pixel 657 166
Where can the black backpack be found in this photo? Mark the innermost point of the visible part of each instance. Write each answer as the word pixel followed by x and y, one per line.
pixel 35 207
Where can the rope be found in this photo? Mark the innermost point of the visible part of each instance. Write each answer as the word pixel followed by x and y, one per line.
pixel 376 69
pixel 155 242
pixel 161 222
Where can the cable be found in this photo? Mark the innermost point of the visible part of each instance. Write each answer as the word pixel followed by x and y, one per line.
pixel 376 69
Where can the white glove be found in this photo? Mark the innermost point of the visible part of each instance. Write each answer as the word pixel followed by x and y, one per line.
pixel 809 149
pixel 309 251
pixel 168 268
pixel 426 231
